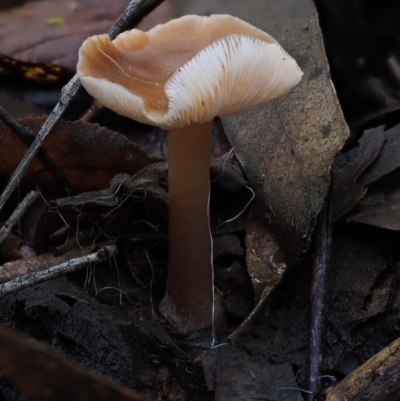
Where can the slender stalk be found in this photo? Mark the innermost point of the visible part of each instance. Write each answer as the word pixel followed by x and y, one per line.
pixel 188 303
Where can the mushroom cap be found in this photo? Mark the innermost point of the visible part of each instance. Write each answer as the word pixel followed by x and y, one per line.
pixel 186 71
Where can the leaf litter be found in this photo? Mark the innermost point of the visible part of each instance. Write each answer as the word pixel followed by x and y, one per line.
pixel 132 210
pixel 348 168
pixel 380 207
pixel 361 292
pixel 68 146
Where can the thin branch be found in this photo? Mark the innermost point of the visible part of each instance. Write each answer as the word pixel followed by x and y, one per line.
pixel 67 95
pixel 249 319
pixel 124 22
pixel 33 264
pixel 25 134
pixel 318 300
pixel 150 6
pixel 18 212
pixel 27 280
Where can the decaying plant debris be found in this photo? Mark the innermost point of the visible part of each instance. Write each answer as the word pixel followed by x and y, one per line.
pixel 308 298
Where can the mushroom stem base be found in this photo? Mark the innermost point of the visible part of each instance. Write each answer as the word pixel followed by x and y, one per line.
pixel 188 303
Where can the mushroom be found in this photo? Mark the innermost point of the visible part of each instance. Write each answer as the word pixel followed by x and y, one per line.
pixel 179 76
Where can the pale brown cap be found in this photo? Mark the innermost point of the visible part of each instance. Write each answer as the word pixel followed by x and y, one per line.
pixel 186 71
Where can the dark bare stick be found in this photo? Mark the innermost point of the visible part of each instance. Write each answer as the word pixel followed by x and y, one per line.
pixel 67 94
pixel 124 21
pixel 34 264
pixel 27 280
pixel 148 7
pixel 16 215
pixel 25 134
pixel 317 300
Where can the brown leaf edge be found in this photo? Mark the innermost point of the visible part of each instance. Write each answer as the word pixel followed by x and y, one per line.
pixel 46 375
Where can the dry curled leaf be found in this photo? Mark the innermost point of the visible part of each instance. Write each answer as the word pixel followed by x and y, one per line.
pixel 381 205
pixel 388 160
pixel 348 167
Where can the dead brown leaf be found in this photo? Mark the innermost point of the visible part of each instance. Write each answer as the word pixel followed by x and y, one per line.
pixel 46 375
pixel 264 259
pixel 57 28
pixel 380 208
pixel 381 205
pixel 348 167
pixel 89 156
pixel 287 146
pixel 388 160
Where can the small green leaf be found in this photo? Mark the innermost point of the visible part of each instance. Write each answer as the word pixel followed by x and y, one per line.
pixel 55 21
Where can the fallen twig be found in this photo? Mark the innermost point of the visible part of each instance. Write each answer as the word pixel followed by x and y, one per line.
pixel 249 319
pixel 67 95
pixel 25 134
pixel 375 380
pixel 16 215
pixel 27 280
pixel 147 8
pixel 126 19
pixel 317 300
pixel 34 264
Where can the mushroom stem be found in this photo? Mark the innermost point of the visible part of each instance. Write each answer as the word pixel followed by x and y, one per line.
pixel 188 303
